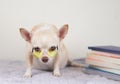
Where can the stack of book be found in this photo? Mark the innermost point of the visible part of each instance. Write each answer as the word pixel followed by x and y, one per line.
pixel 104 58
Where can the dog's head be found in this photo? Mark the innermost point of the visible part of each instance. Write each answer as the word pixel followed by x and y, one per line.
pixel 45 40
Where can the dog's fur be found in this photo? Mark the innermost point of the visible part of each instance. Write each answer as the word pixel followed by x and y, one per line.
pixel 45 36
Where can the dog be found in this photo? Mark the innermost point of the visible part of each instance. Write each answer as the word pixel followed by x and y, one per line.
pixel 45 49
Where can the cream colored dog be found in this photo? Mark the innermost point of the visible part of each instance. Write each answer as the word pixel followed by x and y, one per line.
pixel 42 40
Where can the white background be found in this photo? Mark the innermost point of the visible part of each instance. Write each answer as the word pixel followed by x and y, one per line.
pixel 91 22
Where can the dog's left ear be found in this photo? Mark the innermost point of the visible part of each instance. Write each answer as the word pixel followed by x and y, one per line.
pixel 25 34
pixel 63 31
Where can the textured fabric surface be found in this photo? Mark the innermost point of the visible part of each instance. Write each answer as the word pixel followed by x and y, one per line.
pixel 11 72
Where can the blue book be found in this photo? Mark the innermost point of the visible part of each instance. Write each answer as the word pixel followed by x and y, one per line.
pixel 109 70
pixel 93 71
pixel 109 49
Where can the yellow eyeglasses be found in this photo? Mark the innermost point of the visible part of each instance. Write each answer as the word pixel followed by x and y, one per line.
pixel 52 52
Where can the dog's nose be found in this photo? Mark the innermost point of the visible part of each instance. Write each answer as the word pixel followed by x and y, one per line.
pixel 45 59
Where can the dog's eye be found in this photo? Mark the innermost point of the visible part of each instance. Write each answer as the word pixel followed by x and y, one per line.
pixel 52 48
pixel 37 49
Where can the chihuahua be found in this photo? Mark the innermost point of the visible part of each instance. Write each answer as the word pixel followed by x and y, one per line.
pixel 45 49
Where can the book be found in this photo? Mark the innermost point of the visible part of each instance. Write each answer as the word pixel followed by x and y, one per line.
pixel 104 58
pixel 97 62
pixel 93 71
pixel 114 71
pixel 106 54
pixel 110 49
pixel 100 57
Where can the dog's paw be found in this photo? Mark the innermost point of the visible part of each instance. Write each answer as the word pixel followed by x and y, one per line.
pixel 57 74
pixel 27 75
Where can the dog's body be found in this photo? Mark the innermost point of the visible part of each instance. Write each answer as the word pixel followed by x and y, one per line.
pixel 44 38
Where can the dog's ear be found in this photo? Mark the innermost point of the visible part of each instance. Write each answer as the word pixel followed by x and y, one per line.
pixel 63 31
pixel 25 34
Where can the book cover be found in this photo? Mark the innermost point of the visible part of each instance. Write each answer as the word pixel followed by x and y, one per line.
pixel 110 49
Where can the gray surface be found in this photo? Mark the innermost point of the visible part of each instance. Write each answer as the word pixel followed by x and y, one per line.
pixel 11 73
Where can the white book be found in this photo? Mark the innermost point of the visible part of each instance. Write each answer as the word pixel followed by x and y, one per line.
pixel 102 64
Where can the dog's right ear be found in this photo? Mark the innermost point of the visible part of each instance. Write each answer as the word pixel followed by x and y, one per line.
pixel 25 34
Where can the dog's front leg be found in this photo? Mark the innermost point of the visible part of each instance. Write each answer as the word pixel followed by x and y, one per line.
pixel 56 71
pixel 29 61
